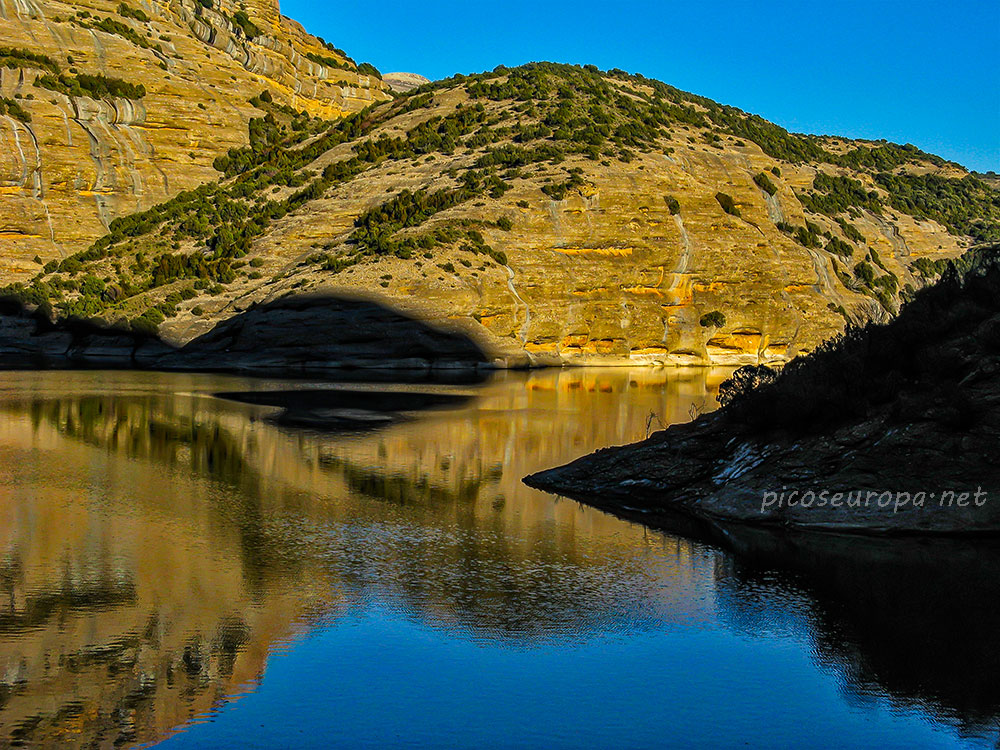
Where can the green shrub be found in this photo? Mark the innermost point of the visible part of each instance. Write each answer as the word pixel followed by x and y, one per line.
pixel 929 269
pixel 243 22
pixel 727 203
pixel 149 322
pixel 129 12
pixel 808 236
pixel 111 26
pixel 714 319
pixel 336 265
pixel 15 110
pixel 850 231
pixel 764 183
pixel 557 191
pixel 837 194
pixel 673 205
pixel 838 247
pixel 70 265
pixel 864 273
pixel 330 62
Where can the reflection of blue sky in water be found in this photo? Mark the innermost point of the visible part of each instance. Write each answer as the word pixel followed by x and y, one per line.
pixel 374 679
pixel 160 547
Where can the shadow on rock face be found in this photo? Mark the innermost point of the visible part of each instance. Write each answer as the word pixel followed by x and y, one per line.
pixel 301 334
pixel 914 619
pixel 326 332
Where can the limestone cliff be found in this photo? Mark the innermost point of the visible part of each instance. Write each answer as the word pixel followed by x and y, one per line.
pixel 551 214
pixel 74 163
pixel 891 429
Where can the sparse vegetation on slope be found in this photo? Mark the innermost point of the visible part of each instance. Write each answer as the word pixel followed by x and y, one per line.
pixel 14 109
pixel 112 26
pixel 835 194
pixel 537 128
pixel 127 11
pixel 965 206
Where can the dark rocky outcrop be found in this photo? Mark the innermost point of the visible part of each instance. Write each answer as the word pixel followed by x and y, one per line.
pixel 881 415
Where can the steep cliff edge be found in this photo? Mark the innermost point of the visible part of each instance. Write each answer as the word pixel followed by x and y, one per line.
pixel 76 157
pixel 891 429
pixel 551 214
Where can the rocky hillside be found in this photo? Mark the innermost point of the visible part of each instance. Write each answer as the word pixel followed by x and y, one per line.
pixel 550 214
pixel 889 429
pixel 110 107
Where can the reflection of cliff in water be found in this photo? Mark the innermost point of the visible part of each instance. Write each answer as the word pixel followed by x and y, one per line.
pixel 157 543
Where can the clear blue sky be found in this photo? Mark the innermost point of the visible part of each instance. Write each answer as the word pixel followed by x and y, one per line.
pixel 917 72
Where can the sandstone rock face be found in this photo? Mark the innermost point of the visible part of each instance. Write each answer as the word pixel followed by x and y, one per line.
pixel 402 83
pixel 607 275
pixel 80 163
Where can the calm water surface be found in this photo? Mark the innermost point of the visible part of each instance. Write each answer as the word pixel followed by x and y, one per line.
pixel 184 569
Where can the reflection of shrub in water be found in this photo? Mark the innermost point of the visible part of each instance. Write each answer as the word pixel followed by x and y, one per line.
pixel 231 637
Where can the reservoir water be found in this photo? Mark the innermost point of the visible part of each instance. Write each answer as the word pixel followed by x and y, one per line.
pixel 205 561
